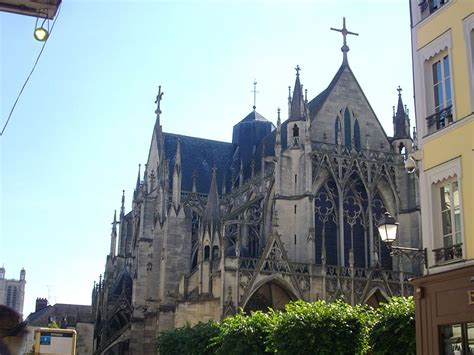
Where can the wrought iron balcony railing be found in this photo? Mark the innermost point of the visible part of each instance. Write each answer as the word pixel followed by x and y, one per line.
pixel 440 119
pixel 442 255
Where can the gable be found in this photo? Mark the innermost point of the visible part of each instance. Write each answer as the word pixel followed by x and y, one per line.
pixel 344 92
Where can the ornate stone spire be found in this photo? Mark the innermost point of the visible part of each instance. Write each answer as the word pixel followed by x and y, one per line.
pixel 212 212
pixel 297 108
pixel 345 47
pixel 122 207
pixel 113 235
pixel 401 122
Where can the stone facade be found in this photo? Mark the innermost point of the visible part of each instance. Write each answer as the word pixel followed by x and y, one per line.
pixel 12 292
pixel 281 213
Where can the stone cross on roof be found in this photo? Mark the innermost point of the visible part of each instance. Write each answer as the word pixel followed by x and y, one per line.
pixel 345 32
pixel 158 100
pixel 297 70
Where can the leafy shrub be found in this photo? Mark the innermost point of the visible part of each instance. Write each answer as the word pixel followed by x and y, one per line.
pixel 322 328
pixel 245 334
pixel 188 340
pixel 394 331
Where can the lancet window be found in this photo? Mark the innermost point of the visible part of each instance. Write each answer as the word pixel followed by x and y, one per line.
pixel 357 135
pixel 347 129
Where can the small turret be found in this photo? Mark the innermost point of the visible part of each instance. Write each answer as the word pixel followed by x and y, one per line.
pixel 22 274
pixel 401 141
pixel 401 121
pixel 297 107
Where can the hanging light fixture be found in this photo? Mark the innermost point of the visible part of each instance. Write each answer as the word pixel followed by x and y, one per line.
pixel 41 33
pixel 388 229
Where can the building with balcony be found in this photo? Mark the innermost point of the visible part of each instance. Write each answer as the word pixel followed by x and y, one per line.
pixel 443 66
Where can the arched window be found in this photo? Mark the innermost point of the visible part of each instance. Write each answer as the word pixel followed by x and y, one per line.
pixel 347 129
pixel 207 251
pixel 296 131
pixel 215 252
pixel 401 149
pixel 356 134
pixel 337 130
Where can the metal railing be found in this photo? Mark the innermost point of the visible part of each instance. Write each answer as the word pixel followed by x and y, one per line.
pixel 442 255
pixel 440 119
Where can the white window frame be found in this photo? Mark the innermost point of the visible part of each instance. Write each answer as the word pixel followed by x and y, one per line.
pixel 424 58
pixel 440 60
pixel 468 24
pixel 435 178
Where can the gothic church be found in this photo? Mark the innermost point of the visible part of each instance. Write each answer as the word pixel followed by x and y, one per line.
pixel 281 213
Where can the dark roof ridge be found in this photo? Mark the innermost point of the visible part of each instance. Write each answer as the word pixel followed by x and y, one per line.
pixel 198 138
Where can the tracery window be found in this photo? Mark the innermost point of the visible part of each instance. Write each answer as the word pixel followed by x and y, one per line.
pixel 355 227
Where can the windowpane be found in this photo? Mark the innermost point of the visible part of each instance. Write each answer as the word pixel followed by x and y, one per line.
pixel 442 84
pixel 436 72
pixel 457 239
pixel 447 241
pixel 438 95
pixel 470 338
pixel 445 198
pixel 457 220
pixel 455 194
pixel 446 220
pixel 451 336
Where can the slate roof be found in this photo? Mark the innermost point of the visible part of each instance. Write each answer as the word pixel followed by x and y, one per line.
pixel 198 156
pixel 253 116
pixel 73 312
pixel 315 104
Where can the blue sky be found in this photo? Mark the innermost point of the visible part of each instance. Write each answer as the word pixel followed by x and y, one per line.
pixel 85 119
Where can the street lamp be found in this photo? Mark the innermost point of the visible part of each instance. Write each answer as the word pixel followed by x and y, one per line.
pixel 388 229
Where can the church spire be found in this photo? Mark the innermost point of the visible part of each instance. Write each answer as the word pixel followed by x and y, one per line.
pixel 345 47
pixel 212 211
pixel 122 207
pixel 113 235
pixel 137 186
pixel 297 109
pixel 401 122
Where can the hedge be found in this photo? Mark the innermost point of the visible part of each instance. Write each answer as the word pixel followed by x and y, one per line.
pixel 303 328
pixel 322 328
pixel 394 331
pixel 194 340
